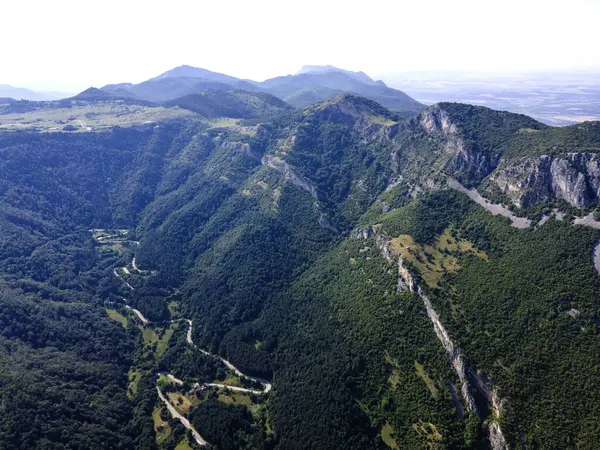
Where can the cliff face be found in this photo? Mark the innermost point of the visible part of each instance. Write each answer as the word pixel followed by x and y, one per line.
pixel 461 162
pixel 574 177
pixel 472 380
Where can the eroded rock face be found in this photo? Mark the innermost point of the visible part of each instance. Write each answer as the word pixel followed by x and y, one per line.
pixel 435 120
pixel 574 177
pixel 470 378
pixel 289 174
pixel 462 163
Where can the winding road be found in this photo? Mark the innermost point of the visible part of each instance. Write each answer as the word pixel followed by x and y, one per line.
pixel 170 407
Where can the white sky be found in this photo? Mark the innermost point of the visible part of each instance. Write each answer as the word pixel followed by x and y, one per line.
pixel 70 45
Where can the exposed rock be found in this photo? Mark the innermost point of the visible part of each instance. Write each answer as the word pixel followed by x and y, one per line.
pixel 289 174
pixel 435 120
pixel 463 163
pixel 497 441
pixel 587 221
pixel 304 183
pixel 326 223
pixel 517 222
pixel 596 257
pixel 574 177
pixel 363 233
pixel 459 409
pixel 471 379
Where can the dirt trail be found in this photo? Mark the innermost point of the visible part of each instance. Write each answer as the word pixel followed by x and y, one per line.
pixel 185 422
pixel 139 314
pixel 123 280
pixel 495 209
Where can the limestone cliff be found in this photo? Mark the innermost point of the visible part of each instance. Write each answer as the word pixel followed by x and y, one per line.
pixel 461 161
pixel 573 177
pixel 472 380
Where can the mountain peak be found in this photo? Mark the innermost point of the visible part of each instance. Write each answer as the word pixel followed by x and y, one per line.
pixel 344 106
pixel 196 72
pixel 358 76
pixel 93 93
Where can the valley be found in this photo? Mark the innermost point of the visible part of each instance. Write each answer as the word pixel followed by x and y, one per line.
pixel 422 279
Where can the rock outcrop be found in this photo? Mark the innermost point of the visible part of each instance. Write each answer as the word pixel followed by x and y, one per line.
pixel 574 177
pixel 289 175
pixel 463 163
pixel 302 182
pixel 471 379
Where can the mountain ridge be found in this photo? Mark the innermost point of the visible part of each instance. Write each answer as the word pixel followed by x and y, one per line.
pixel 323 249
pixel 319 83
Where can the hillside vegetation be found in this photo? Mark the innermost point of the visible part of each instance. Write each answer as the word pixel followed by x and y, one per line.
pixel 322 249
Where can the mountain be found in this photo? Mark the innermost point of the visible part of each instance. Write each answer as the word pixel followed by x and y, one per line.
pixel 384 275
pixel 196 72
pixel 235 104
pixel 306 88
pixel 318 83
pixel 168 88
pixel 26 94
pixel 359 76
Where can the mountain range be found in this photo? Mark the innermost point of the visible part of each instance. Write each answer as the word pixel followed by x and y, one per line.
pixel 16 93
pixel 314 261
pixel 310 85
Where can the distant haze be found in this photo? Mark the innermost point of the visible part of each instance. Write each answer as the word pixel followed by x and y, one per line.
pixel 67 45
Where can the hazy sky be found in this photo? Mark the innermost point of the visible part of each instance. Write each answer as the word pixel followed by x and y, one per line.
pixel 70 45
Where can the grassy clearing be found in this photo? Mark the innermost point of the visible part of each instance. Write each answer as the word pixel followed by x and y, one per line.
pixel 180 401
pixel 394 378
pixel 117 316
pixel 235 398
pixel 161 428
pixel 420 371
pixel 173 309
pixel 134 379
pixel 95 116
pixel 163 380
pixel 387 433
pixel 433 261
pixel 223 122
pixel 232 380
pixel 163 342
pixel 183 445
pixel 150 337
pixel 429 433
pixel 158 340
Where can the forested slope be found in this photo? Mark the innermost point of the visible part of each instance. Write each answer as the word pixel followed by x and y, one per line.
pixel 309 249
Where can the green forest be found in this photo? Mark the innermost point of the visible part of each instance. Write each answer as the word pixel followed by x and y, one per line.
pixel 284 240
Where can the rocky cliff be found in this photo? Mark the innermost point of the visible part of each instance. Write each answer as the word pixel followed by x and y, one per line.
pixel 573 177
pixel 473 381
pixel 461 161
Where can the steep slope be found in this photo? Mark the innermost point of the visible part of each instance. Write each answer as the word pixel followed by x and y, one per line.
pixel 521 161
pixel 325 250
